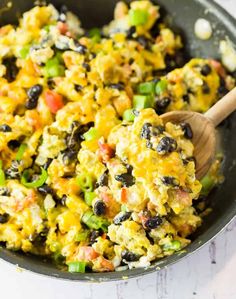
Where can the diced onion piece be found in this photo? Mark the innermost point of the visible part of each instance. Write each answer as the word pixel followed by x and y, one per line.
pixel 203 29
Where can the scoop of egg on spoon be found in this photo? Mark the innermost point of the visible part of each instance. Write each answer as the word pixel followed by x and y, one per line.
pixel 203 127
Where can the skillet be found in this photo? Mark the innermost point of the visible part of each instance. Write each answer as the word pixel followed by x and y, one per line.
pixel 181 15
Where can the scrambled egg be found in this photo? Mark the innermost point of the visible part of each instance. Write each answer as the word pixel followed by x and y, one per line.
pixel 89 174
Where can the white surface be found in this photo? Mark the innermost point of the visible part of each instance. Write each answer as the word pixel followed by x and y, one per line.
pixel 208 274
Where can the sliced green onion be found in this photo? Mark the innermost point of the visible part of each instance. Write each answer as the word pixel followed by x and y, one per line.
pixel 207 184
pixel 161 86
pixel 142 102
pixel 2 175
pixel 53 68
pixel 35 184
pixel 91 134
pixel 138 17
pixel 85 182
pixel 94 222
pixel 95 34
pixel 24 52
pixel 174 245
pixel 21 151
pixel 76 267
pixel 82 236
pixel 89 197
pixel 129 115
pixel 146 88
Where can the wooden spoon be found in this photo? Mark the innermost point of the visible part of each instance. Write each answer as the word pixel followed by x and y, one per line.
pixel 203 127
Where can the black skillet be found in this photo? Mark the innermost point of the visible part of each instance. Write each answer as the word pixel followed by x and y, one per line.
pixel 181 15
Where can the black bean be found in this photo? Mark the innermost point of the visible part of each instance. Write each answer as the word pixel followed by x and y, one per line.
pixel 162 104
pixel 205 88
pixel 157 130
pixel 206 70
pixel 146 131
pixel 33 94
pixel 143 41
pixel 119 86
pixel 69 156
pixel 222 90
pixel 129 256
pixel 149 144
pixel 186 98
pixel 130 32
pixel 5 128
pixel 94 235
pixel 126 179
pixel 129 168
pixel 153 222
pixel 166 145
pixel 51 83
pixel 81 49
pixel 11 68
pixel 99 208
pixel 122 216
pixel 63 200
pixel 169 180
pixel 13 172
pixel 103 180
pixel 188 133
pixel 78 87
pixel 4 191
pixel 45 189
pixel 4 218
pixel 47 164
pixel 13 144
pixel 86 66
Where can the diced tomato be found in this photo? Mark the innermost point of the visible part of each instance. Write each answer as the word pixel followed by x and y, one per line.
pixel 62 27
pixel 54 101
pixel 105 152
pixel 184 198
pixel 87 253
pixel 105 265
pixel 218 67
pixel 123 195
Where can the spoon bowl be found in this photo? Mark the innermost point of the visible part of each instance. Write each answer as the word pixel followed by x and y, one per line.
pixel 203 127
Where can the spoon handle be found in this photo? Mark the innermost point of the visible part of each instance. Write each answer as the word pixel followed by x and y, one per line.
pixel 222 108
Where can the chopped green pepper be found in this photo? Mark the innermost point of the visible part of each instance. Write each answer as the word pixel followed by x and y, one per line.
pixel 24 52
pixel 128 115
pixel 54 68
pixel 85 182
pixel 82 236
pixel 76 267
pixel 138 17
pixel 35 184
pixel 21 151
pixel 161 86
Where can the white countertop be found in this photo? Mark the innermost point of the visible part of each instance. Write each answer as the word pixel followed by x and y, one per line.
pixel 209 273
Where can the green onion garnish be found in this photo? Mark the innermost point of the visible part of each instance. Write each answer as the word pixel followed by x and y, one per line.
pixel 24 52
pixel 207 184
pixel 89 197
pixel 174 245
pixel 35 184
pixel 138 17
pixel 128 115
pixel 85 182
pixel 76 267
pixel 94 222
pixel 146 88
pixel 161 86
pixel 142 102
pixel 21 151
pixel 82 236
pixel 2 175
pixel 91 134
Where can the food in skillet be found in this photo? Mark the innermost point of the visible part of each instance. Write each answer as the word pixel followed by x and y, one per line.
pixel 89 174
